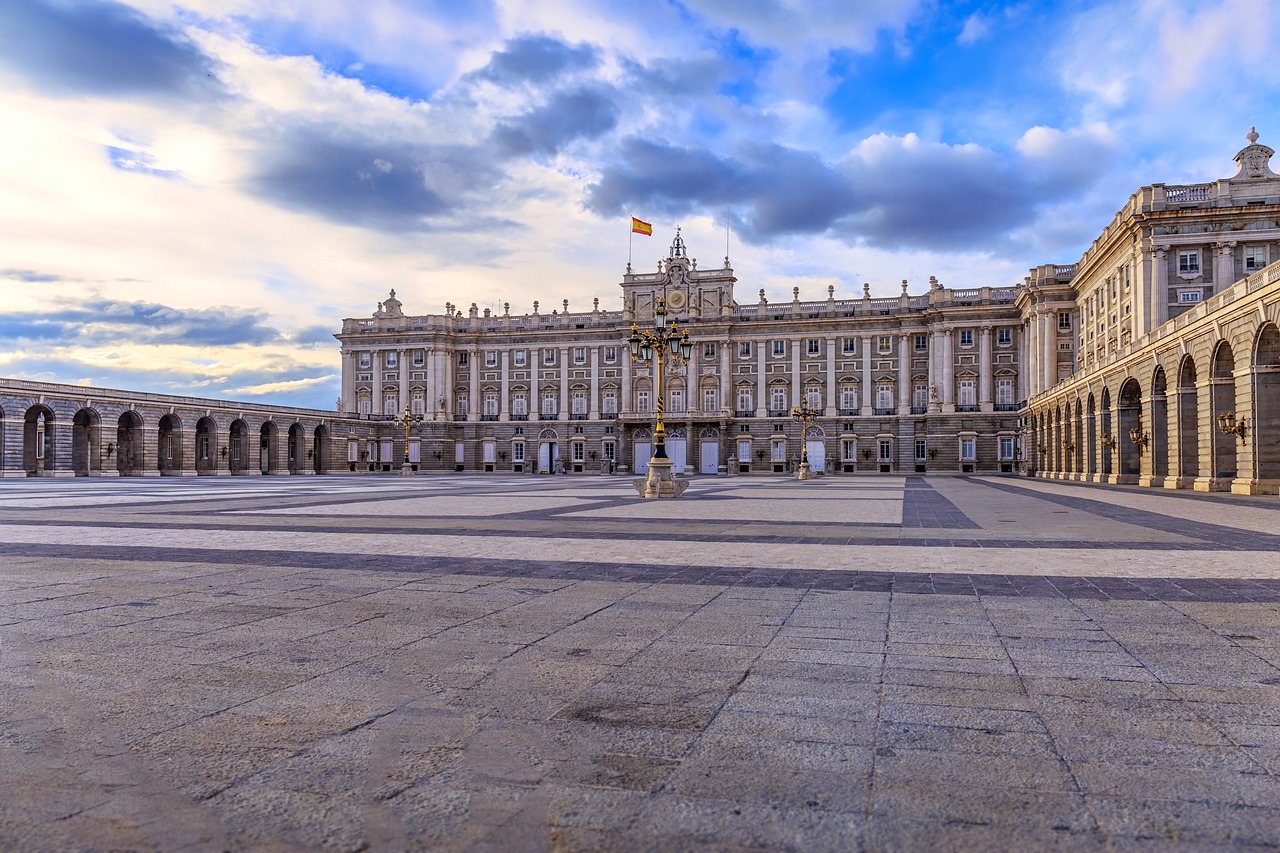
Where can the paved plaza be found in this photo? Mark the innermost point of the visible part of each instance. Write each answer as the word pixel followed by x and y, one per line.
pixel 549 663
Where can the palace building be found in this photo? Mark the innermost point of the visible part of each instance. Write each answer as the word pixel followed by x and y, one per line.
pixel 1153 360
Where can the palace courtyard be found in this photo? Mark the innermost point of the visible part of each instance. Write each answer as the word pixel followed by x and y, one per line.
pixel 548 663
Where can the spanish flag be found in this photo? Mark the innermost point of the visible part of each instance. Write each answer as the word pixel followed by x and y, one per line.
pixel 639 227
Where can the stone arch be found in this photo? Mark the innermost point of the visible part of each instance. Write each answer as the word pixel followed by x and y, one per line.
pixel 1091 434
pixel 238 447
pixel 268 448
pixel 1188 437
pixel 1222 401
pixel 320 449
pixel 709 433
pixel 1108 439
pixel 130 449
pixel 1130 417
pixel 1077 433
pixel 296 448
pixel 1158 429
pixel 39 450
pixel 206 446
pixel 86 442
pixel 1264 426
pixel 169 446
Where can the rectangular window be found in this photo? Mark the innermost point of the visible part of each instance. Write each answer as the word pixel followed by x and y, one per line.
pixel 579 355
pixel 710 399
pixel 1006 447
pixel 519 358
pixel 1185 296
pixel 610 355
pixel 1189 262
pixel 579 403
pixel 579 451
pixel 364 360
pixel 364 406
pixel 709 350
pixel 1064 346
pixel 777 399
pixel 1255 258
pixel 418 403
pixel 744 450
pixel 968 449
pixel 490 359
pixel 921 449
pixel 1004 337
pixel 744 349
pixel 517 451
pixel 848 398
pixel 609 450
pixel 920 397
pixel 1064 319
pixel 462 359
pixel 550 403
pixel 1004 392
pixel 779 451
pixel 886 450
pixel 491 404
pixel 813 347
pixel 848 450
pixel 745 400
pixel 548 356
pixel 885 344
pixel 849 346
pixel 966 337
pixel 390 404
pixel 677 401
pixel 610 403
pixel 922 343
pixel 519 404
pixel 464 405
pixel 391 358
pixel 419 358
pixel 813 397
pixel 642 402
pixel 779 348
pixel 968 394
pixel 884 397
pixel 353 451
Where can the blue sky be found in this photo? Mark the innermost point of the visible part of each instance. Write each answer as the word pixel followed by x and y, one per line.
pixel 196 193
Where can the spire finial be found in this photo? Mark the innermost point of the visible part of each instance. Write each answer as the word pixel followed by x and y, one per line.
pixel 1252 136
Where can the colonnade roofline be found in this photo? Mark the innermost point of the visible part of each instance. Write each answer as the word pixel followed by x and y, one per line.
pixel 89 393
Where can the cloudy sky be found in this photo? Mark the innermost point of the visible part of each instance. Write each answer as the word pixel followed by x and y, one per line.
pixel 194 194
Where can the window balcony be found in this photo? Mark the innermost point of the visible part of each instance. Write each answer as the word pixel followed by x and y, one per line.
pixel 461 416
pixel 966 408
pixel 519 417
pixel 884 411
pixel 578 416
pixel 609 416
pixel 548 416
pixel 848 413
pixel 919 410
pixel 1006 407
pixel 744 413
pixel 488 417
pixel 779 413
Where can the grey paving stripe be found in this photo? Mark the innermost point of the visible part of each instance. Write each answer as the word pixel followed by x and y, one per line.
pixel 1246 540
pixel 1028 586
pixel 924 507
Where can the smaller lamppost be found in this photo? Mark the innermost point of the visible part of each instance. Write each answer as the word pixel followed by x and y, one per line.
pixel 805 414
pixel 407 419
pixel 1228 424
pixel 1139 436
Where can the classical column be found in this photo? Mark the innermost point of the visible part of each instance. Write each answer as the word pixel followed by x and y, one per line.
pixel 473 391
pixel 762 379
pixel 504 394
pixel 984 370
pixel 1021 390
pixel 904 374
pixel 1049 349
pixel 594 405
pixel 1224 266
pixel 831 378
pixel 867 390
pixel 796 344
pixel 948 371
pixel 403 362
pixel 935 378
pixel 564 383
pixel 1159 286
pixel 349 365
pixel 726 377
pixel 626 404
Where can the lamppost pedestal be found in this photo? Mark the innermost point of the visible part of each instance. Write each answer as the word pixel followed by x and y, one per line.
pixel 406 470
pixel 804 472
pixel 660 482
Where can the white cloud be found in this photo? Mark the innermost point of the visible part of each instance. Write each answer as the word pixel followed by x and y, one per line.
pixel 976 28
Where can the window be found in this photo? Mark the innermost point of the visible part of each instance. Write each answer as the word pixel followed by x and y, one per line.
pixel 779 453
pixel 966 337
pixel 709 350
pixel 848 397
pixel 744 450
pixel 677 401
pixel 391 358
pixel 462 359
pixel 922 343
pixel 813 397
pixel 745 400
pixel 1188 296
pixel 884 396
pixel 884 344
pixel 1006 447
pixel 967 396
pixel 390 403
pixel 579 355
pixel 517 451
pixel 490 404
pixel 364 406
pixel 920 397
pixel 710 399
pixel 1004 337
pixel 968 449
pixel 610 402
pixel 922 447
pixel 848 449
pixel 490 359
pixel 419 358
pixel 519 358
pixel 610 355
pixel 1189 262
pixel 550 403
pixel 353 451
pixel 886 450
pixel 1064 319
pixel 813 347
pixel 1064 346
pixel 779 348
pixel 1255 258
pixel 642 402
pixel 364 360
pixel 464 405
pixel 519 404
pixel 849 346
pixel 578 451
pixel 1004 392
pixel 744 349
pixel 418 403
pixel 777 399
pixel 548 356
pixel 609 451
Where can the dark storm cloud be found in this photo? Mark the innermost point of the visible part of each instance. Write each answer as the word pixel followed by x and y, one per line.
pixel 893 195
pixel 536 59
pixel 580 114
pixel 101 48
pixel 105 322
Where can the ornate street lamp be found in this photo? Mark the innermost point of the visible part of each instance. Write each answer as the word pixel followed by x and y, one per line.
pixel 667 340
pixel 1228 425
pixel 805 414
pixel 1139 436
pixel 407 419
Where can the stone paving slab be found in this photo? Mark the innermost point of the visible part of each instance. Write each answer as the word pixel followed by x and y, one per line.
pixel 981 673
